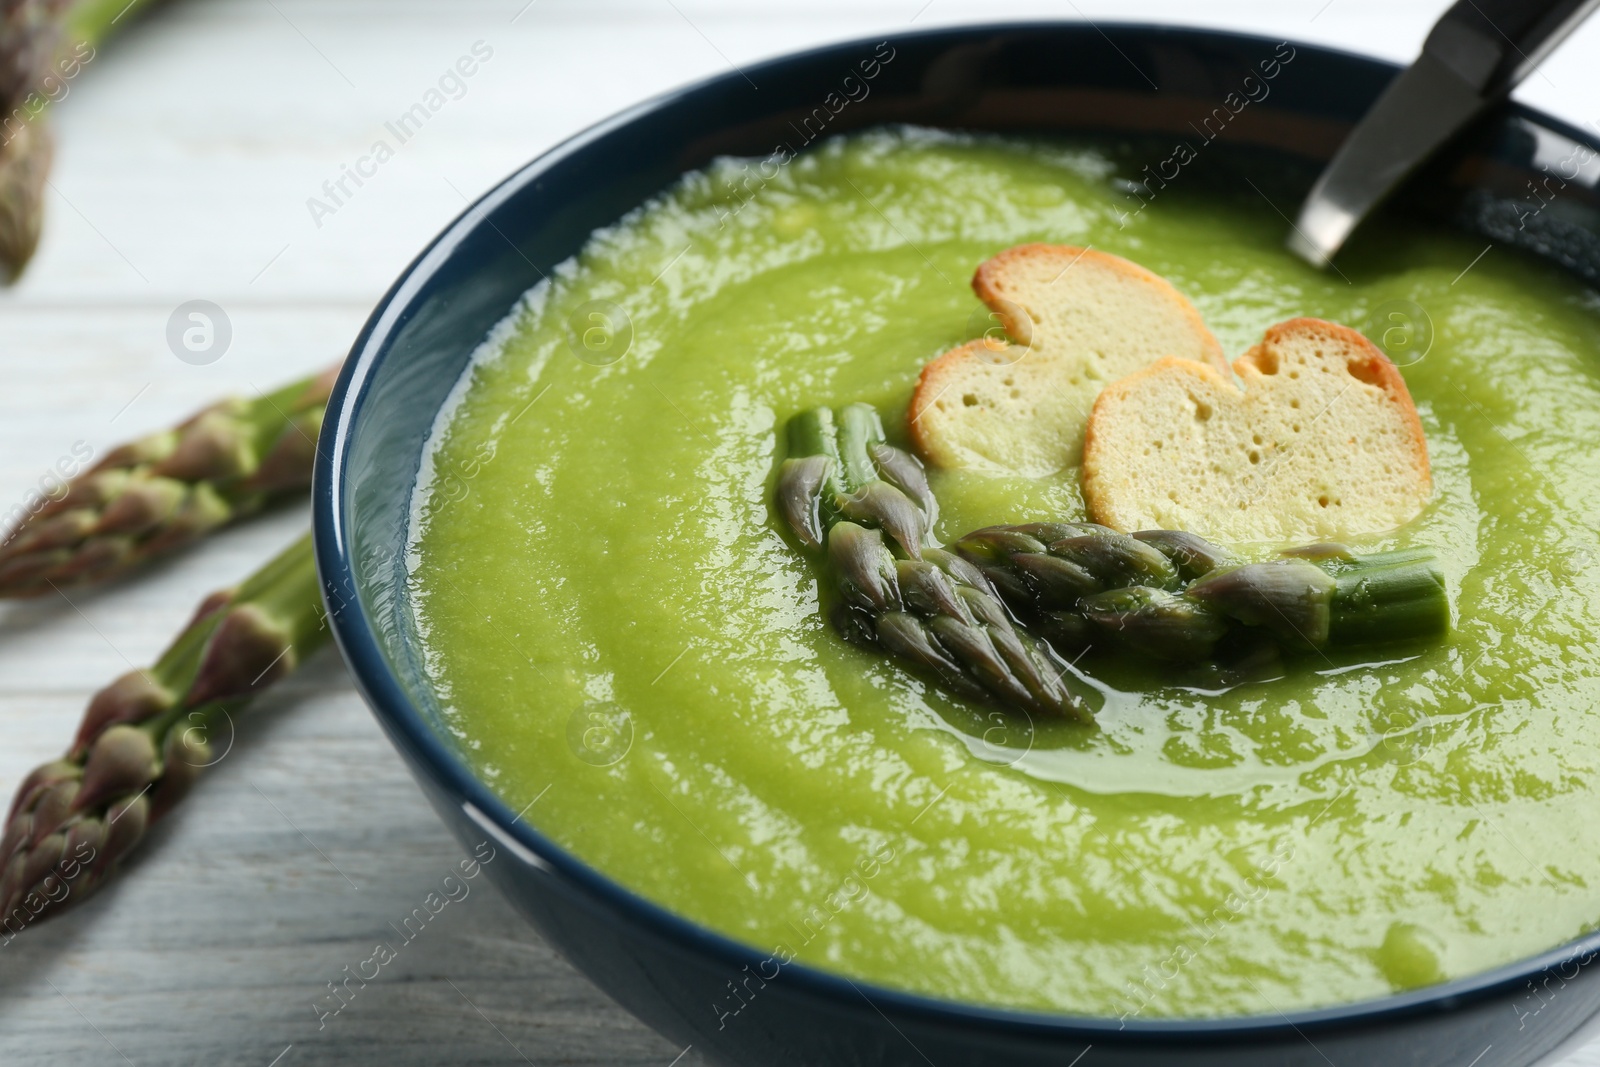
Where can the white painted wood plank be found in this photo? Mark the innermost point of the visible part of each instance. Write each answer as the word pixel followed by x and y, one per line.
pixel 188 151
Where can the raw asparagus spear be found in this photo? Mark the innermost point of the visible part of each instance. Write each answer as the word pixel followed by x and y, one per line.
pixel 30 31
pixel 144 738
pixel 865 505
pixel 43 43
pixel 155 494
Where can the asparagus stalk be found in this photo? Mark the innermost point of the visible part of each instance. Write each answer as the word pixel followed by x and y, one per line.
pixel 144 738
pixel 1077 583
pixel 92 21
pixel 865 506
pixel 30 31
pixel 153 495
pixel 24 165
pixel 1172 595
pixel 1337 601
pixel 846 469
pixel 42 44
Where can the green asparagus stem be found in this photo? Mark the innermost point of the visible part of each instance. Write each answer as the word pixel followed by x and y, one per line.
pixel 1081 584
pixel 151 496
pixel 43 45
pixel 1193 556
pixel 1052 565
pixel 1293 595
pixel 866 506
pixel 24 166
pixel 1339 601
pixel 1159 624
pixel 92 21
pixel 144 738
pixel 845 469
pixel 1171 595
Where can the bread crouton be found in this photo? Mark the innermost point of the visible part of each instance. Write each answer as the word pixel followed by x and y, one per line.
pixel 1077 319
pixel 1321 442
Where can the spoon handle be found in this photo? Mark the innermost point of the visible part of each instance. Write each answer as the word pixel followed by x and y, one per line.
pixel 1472 57
pixel 1494 44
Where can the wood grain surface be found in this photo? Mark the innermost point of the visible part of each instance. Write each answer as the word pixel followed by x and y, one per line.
pixel 189 148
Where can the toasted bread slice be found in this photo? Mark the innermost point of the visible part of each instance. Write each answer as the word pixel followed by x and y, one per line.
pixel 1077 319
pixel 1322 441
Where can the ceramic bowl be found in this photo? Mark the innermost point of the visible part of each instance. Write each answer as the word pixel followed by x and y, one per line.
pixel 1040 78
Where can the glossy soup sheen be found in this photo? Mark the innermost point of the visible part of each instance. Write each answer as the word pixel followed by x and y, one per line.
pixel 616 627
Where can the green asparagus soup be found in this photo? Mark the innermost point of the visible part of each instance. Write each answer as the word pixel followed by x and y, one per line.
pixel 623 641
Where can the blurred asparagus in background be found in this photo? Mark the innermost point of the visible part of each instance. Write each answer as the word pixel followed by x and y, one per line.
pixel 147 735
pixel 44 45
pixel 153 495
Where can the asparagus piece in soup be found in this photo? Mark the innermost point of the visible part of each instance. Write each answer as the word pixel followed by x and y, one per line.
pixel 1175 596
pixel 865 506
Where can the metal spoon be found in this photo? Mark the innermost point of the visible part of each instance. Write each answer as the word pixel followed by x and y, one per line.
pixel 1472 58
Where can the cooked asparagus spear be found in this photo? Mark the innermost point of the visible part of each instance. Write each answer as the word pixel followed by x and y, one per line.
pixel 1335 601
pixel 841 491
pixel 155 494
pixel 1133 587
pixel 145 737
pixel 847 470
pixel 43 44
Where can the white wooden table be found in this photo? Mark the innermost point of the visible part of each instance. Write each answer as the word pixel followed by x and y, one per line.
pixel 189 149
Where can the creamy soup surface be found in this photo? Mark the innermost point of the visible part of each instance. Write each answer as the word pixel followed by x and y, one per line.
pixel 615 624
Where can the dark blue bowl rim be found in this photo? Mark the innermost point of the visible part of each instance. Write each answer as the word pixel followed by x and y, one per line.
pixel 406 724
